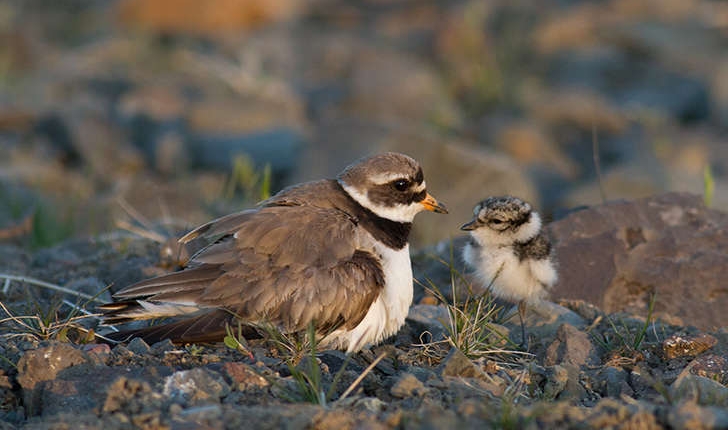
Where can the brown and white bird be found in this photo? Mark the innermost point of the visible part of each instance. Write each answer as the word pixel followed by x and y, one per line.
pixel 509 252
pixel 334 253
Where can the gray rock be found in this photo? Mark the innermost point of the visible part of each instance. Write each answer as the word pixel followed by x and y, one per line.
pixel 408 385
pixel 422 373
pixel 163 346
pixel 335 360
pixel 584 309
pixel 195 386
pixel 138 346
pixel 130 395
pixel 618 253
pixel 573 390
pixel 691 416
pixel 571 346
pixel 457 364
pixel 455 389
pixel 556 379
pixel 459 374
pixel 121 351
pixel 243 377
pixel 711 366
pixel 204 413
pixel 615 382
pixel 643 381
pixel 612 413
pixel 98 353
pixel 118 259
pixel 543 320
pixel 703 391
pixel 88 387
pixel 428 319
pixel 43 364
pixel 371 404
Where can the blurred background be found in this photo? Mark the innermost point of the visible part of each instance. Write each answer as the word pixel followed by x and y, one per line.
pixel 156 115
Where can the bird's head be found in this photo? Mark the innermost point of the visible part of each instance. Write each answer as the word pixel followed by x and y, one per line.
pixel 391 185
pixel 503 220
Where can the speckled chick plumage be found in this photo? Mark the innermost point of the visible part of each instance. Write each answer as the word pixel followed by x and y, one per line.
pixel 509 251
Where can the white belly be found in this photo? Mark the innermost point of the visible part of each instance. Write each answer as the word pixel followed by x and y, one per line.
pixel 508 277
pixel 388 312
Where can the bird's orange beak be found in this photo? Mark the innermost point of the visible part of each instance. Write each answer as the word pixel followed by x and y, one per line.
pixel 432 205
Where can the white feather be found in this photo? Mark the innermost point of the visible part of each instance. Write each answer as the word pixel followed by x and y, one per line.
pixel 399 213
pixel 388 312
pixel 497 265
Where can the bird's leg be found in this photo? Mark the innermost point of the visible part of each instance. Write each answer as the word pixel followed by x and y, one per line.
pixel 521 316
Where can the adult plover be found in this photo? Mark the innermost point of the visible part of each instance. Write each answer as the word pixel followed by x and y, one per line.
pixel 334 253
pixel 509 252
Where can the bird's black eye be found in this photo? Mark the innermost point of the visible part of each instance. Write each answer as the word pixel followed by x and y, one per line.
pixel 495 221
pixel 401 184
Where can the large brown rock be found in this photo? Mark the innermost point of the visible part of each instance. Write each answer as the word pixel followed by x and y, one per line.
pixel 617 254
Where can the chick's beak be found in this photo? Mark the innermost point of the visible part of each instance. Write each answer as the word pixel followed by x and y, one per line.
pixel 468 226
pixel 431 204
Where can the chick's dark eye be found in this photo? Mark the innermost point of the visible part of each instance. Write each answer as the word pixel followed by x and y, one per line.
pixel 401 184
pixel 495 221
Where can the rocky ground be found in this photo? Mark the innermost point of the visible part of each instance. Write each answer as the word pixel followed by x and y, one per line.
pixel 584 367
pixel 124 123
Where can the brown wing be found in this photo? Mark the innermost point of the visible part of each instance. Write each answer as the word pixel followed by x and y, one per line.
pixel 287 265
pixel 293 265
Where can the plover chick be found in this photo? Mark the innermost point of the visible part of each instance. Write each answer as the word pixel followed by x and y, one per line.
pixel 509 252
pixel 333 253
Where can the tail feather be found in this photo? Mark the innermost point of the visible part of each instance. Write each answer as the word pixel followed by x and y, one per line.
pixel 136 310
pixel 204 328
